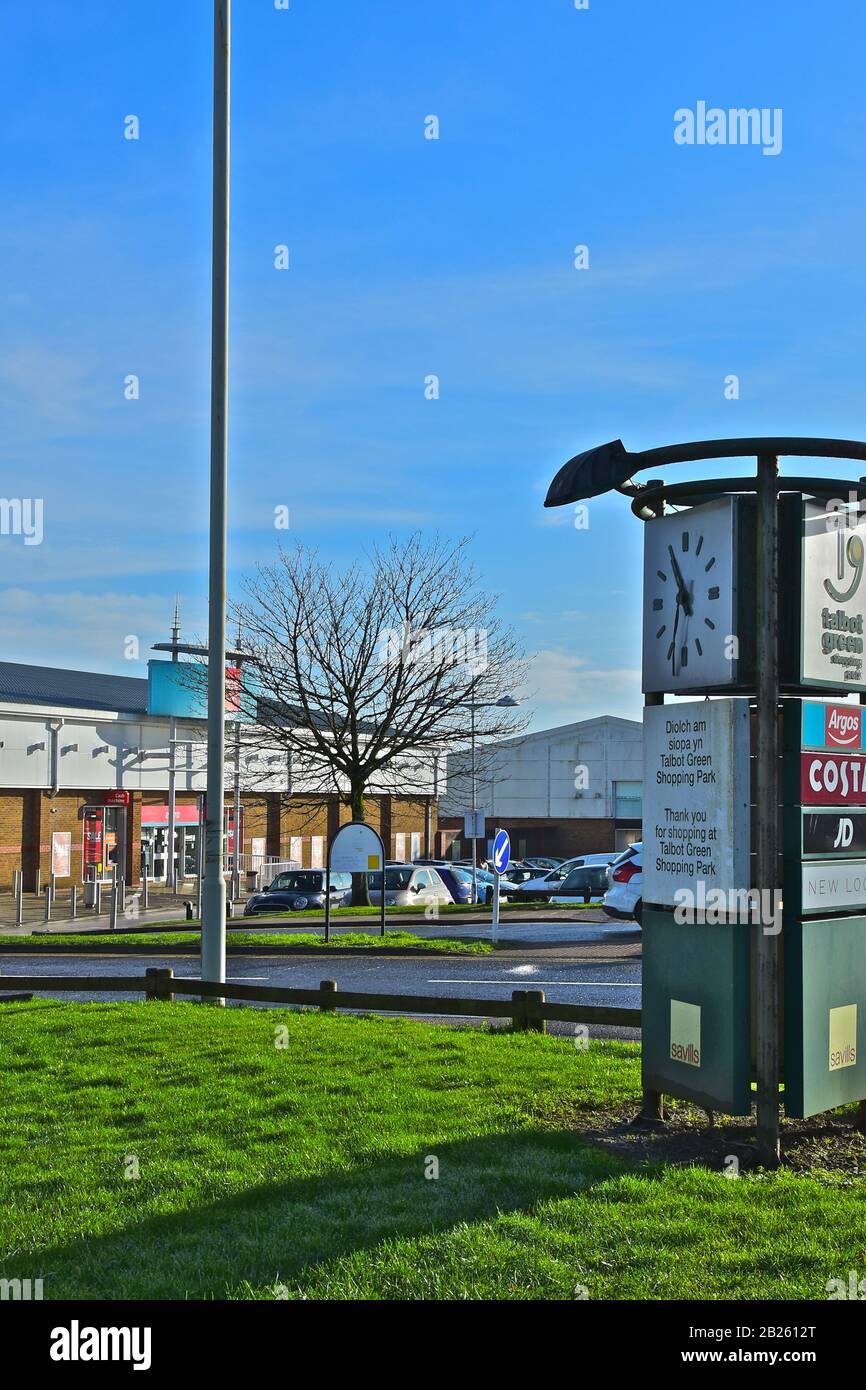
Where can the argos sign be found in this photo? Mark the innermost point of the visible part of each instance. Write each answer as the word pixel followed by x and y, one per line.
pixel 832 779
pixel 832 726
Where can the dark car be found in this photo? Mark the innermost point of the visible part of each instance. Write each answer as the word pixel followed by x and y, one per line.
pixel 297 889
pixel 457 881
pixel 520 873
pixel 582 885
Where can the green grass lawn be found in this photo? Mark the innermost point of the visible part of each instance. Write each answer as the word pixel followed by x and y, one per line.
pixel 299 1171
pixel 129 940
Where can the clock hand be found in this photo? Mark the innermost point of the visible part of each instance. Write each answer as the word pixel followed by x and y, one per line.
pixel 683 593
pixel 674 639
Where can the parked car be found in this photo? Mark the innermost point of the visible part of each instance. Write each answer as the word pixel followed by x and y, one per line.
pixel 457 881
pixel 540 888
pixel 584 884
pixel 507 888
pixel 520 873
pixel 543 861
pixel 624 897
pixel 408 885
pixel 299 888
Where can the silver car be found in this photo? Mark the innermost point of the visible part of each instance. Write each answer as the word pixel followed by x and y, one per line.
pixel 408 885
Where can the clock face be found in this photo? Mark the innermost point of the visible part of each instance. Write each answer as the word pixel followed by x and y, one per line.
pixel 689 641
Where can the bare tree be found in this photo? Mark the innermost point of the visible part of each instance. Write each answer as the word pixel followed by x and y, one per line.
pixel 365 676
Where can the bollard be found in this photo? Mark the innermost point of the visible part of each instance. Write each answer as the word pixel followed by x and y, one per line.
pixel 53 886
pixel 73 901
pixel 112 916
pixel 144 887
pixel 327 989
pixel 158 984
pixel 37 892
pixel 19 903
pixel 48 902
pixel 16 877
pixel 188 909
pixel 97 897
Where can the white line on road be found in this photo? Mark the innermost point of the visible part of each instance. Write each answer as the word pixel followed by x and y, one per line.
pixel 560 984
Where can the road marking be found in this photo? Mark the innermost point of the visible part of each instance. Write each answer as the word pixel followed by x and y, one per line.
pixel 559 984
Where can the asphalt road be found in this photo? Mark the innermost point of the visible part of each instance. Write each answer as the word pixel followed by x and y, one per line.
pixel 594 971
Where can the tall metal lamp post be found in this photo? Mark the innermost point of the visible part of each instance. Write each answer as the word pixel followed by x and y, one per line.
pixel 213 926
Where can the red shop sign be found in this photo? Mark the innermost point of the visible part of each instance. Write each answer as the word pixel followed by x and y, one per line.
pixel 832 779
pixel 116 798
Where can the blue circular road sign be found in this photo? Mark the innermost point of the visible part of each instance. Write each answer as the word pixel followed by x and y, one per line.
pixel 501 852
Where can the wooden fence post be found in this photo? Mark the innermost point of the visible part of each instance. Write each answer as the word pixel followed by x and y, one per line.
pixel 518 999
pixel 327 988
pixel 535 1023
pixel 527 1015
pixel 158 984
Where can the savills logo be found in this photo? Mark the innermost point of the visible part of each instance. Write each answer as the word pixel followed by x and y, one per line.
pixel 843 1037
pixel 843 726
pixel 685 1033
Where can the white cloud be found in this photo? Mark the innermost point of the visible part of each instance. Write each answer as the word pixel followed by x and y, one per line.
pixel 564 687
pixel 86 631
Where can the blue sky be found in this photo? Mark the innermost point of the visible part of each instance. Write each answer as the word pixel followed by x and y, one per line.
pixel 409 257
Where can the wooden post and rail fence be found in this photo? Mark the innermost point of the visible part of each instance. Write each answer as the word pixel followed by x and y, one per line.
pixel 527 1009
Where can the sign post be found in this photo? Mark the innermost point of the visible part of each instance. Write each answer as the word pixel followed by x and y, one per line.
pixel 355 849
pixel 501 856
pixel 766 808
pixel 715 559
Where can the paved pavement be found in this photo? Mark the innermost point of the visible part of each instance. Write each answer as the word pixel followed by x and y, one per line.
pixel 596 969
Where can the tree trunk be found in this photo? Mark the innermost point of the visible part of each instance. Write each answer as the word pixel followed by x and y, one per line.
pixel 360 882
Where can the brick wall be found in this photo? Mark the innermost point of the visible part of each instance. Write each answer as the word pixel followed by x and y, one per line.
pixel 28 818
pixel 539 836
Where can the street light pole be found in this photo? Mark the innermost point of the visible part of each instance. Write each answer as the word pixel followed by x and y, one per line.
pixel 213 927
pixel 474 826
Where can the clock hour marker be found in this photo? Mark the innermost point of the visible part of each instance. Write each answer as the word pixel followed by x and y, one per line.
pixel 698 546
pixel 685 540
pixel 684 656
pixel 709 564
pixel 658 605
pixel 698 646
pixel 713 592
pixel 661 629
pixel 662 576
pixel 709 624
pixel 670 652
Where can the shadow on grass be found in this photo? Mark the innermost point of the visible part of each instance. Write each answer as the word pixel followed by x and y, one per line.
pixel 271 1234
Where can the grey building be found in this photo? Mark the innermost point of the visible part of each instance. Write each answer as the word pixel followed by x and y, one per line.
pixel 569 790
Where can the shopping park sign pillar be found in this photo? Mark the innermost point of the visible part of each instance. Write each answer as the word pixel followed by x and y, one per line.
pixel 713 627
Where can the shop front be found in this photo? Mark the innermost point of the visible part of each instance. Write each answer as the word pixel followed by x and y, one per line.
pixel 187 832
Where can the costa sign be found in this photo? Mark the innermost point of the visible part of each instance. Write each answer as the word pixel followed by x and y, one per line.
pixel 832 726
pixel 832 779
